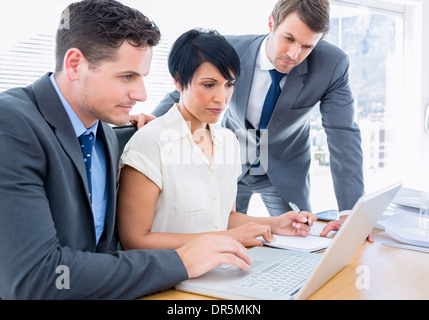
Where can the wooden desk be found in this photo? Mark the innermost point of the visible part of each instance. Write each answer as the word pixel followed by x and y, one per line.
pixel 377 272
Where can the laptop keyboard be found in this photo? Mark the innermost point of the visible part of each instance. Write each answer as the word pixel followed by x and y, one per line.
pixel 283 275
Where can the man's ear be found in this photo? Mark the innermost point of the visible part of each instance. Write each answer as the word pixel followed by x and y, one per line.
pixel 271 23
pixel 73 60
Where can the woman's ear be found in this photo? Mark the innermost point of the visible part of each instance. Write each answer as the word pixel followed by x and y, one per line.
pixel 73 61
pixel 177 85
pixel 177 82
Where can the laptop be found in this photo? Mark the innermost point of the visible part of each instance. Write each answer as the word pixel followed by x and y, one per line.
pixel 269 276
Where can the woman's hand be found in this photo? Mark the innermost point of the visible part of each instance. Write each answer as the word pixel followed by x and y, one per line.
pixel 294 224
pixel 247 233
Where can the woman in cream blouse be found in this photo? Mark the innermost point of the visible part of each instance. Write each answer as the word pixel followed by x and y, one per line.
pixel 179 172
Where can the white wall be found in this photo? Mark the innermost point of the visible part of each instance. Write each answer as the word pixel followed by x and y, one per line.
pixel 175 17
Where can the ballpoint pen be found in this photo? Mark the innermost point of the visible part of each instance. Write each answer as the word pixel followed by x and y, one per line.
pixel 296 209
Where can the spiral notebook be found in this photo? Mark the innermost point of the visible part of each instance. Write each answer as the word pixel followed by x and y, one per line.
pixel 312 243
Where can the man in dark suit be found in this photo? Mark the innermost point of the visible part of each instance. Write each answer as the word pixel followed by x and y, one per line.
pixel 57 215
pixel 275 146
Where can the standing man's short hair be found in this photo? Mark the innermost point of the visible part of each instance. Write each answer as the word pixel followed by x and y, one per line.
pixel 314 13
pixel 99 27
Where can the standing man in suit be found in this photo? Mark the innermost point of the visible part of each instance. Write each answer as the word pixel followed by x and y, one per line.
pixel 57 215
pixel 273 130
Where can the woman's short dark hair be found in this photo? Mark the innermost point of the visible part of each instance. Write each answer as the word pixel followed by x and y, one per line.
pixel 197 46
pixel 99 27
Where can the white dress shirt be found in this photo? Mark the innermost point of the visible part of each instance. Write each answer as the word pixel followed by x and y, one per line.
pixel 261 84
pixel 196 195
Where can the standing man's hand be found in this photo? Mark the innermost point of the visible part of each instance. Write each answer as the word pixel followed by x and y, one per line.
pixel 336 225
pixel 141 119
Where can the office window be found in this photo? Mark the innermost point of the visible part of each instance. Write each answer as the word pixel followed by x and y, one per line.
pixel 26 61
pixel 373 39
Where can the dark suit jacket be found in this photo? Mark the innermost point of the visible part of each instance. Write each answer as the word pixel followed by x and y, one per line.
pixel 322 77
pixel 45 214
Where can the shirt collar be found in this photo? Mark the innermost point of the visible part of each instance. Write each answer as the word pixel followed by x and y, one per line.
pixel 78 126
pixel 264 62
pixel 175 121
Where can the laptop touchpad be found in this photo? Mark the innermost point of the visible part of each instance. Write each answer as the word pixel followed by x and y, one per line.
pixel 231 267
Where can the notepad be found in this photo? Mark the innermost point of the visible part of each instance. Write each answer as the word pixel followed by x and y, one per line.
pixel 312 243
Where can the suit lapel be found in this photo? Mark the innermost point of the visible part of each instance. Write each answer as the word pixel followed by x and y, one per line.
pixel 244 84
pixel 53 111
pixel 111 173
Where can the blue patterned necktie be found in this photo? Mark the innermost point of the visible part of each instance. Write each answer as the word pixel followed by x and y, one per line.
pixel 271 98
pixel 87 143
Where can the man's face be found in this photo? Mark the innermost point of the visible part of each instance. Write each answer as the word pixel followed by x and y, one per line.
pixel 290 43
pixel 109 91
